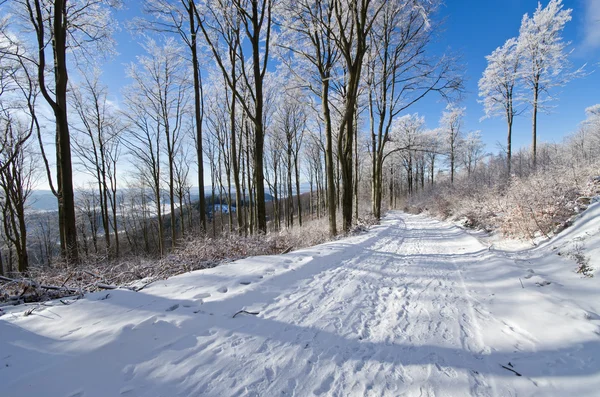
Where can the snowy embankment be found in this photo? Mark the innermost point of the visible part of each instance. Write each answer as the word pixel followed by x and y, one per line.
pixel 413 306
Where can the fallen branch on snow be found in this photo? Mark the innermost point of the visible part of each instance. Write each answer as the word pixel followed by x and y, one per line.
pixel 246 312
pixel 511 370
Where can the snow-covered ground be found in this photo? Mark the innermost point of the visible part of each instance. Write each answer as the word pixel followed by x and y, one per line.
pixel 414 307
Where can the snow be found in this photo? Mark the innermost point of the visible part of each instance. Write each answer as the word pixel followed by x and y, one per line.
pixel 413 307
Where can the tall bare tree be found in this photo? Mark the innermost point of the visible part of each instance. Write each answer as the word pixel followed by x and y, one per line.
pixel 309 32
pixel 255 17
pixel 451 124
pixel 180 17
pixel 401 72
pixel 17 177
pixel 59 28
pixel 98 130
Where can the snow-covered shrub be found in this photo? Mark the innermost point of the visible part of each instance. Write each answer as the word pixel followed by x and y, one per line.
pixel 583 262
pixel 535 204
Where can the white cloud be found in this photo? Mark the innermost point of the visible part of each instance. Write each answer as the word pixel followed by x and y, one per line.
pixel 592 24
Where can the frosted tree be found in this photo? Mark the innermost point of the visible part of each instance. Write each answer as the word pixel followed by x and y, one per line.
pixel 544 57
pixel 17 179
pixel 97 143
pixel 354 22
pixel 588 136
pixel 432 140
pixel 308 33
pixel 406 138
pixel 156 105
pixel 52 31
pixel 252 51
pixel 401 72
pixel 451 124
pixel 472 151
pixel 290 118
pixel 179 17
pixel 498 88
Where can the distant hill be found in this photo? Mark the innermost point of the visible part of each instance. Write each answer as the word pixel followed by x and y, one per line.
pixel 44 200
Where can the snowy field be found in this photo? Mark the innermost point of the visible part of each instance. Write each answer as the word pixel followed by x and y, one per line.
pixel 414 307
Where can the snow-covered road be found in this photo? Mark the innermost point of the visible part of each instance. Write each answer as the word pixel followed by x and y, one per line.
pixel 414 307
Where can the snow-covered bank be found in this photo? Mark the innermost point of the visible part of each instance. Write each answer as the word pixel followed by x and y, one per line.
pixel 414 306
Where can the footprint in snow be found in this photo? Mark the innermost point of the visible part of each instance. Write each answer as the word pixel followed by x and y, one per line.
pixel 202 295
pixel 174 307
pixel 245 282
pixel 543 283
pixel 223 290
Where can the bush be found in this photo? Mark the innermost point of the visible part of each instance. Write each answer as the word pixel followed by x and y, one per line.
pixel 536 205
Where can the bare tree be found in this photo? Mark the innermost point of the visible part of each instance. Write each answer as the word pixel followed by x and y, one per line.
pixel 98 130
pixel 66 26
pixel 354 21
pixel 545 59
pixel 498 85
pixel 17 177
pixel 472 151
pixel 154 105
pixel 180 17
pixel 451 124
pixel 309 29
pixel 158 97
pixel 400 73
pixel 255 17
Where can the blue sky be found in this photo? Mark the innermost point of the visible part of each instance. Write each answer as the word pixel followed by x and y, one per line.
pixel 473 28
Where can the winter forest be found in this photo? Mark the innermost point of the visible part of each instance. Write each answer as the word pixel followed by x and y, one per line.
pixel 335 149
pixel 286 113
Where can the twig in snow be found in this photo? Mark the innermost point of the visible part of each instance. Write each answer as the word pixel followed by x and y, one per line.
pixel 29 311
pixel 247 312
pixel 77 297
pixel 143 286
pixel 67 279
pixel 288 249
pixel 511 370
pixel 521 283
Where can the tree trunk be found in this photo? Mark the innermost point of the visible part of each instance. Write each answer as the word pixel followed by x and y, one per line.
pixel 509 146
pixel 198 113
pixel 534 125
pixel 63 139
pixel 329 158
pixel 298 199
pixel 234 156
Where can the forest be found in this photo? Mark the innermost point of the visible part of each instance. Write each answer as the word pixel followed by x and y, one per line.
pixel 293 120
